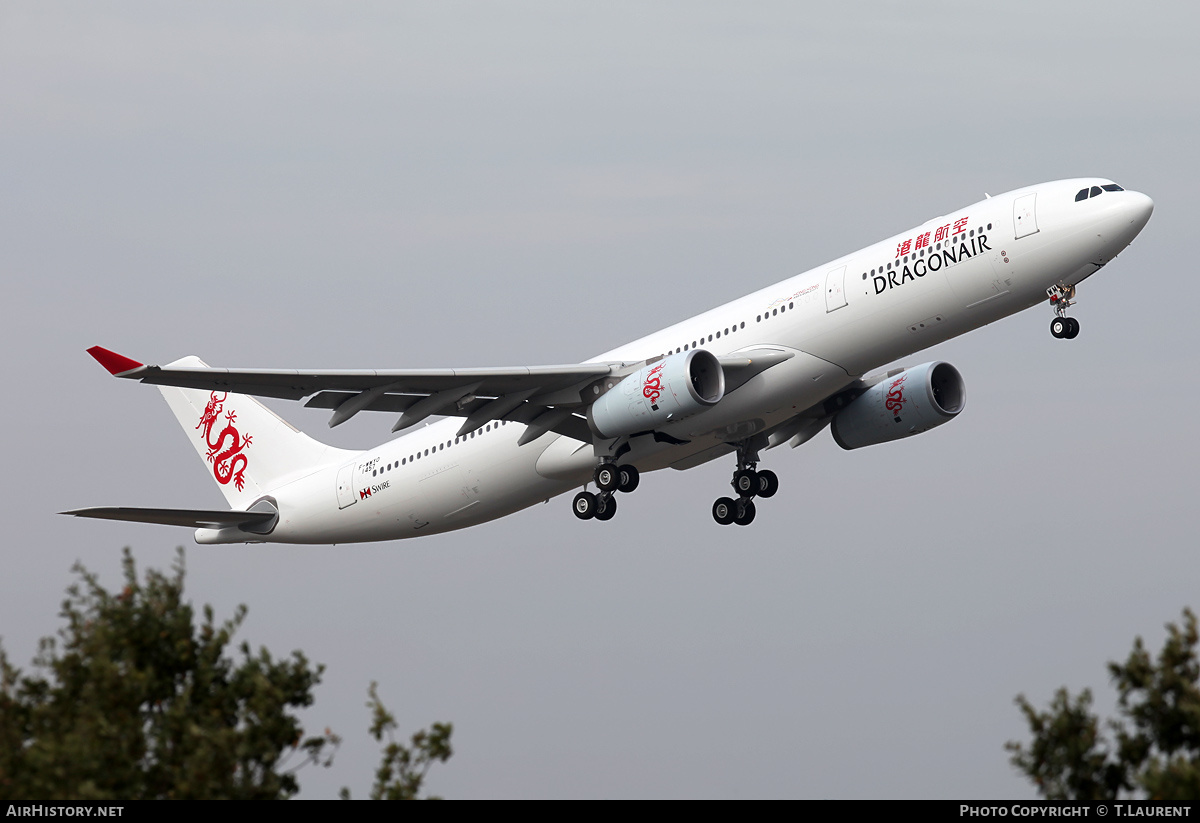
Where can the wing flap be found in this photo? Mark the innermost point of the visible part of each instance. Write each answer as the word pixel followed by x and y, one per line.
pixel 384 403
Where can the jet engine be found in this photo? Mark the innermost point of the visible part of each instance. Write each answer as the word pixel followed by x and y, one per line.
pixel 913 401
pixel 675 387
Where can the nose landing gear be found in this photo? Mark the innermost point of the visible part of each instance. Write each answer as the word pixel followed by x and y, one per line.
pixel 1063 327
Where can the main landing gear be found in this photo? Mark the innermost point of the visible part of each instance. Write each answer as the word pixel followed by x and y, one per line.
pixel 1063 327
pixel 748 483
pixel 610 479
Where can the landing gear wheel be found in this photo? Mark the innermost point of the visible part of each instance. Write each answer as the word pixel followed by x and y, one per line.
pixel 745 482
pixel 606 507
pixel 724 510
pixel 768 483
pixel 584 505
pixel 1073 330
pixel 608 476
pixel 629 479
pixel 1060 326
pixel 745 513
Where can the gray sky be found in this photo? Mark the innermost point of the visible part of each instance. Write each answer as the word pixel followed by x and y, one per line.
pixel 456 184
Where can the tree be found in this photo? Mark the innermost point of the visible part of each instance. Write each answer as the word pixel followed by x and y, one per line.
pixel 134 701
pixel 402 770
pixel 1151 750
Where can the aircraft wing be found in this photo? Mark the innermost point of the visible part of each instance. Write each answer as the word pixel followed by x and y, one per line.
pixel 248 521
pixel 544 397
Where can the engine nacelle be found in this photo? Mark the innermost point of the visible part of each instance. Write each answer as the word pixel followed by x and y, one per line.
pixel 675 387
pixel 914 401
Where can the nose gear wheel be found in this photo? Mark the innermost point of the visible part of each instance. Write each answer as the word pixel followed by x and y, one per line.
pixel 1061 298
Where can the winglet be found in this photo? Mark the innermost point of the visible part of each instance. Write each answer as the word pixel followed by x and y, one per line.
pixel 115 363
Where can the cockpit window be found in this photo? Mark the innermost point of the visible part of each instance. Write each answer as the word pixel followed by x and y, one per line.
pixel 1095 191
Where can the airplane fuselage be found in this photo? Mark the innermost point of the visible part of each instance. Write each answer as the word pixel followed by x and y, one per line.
pixel 838 321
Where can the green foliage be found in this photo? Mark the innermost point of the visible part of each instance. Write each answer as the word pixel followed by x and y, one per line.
pixel 134 701
pixel 1154 747
pixel 402 771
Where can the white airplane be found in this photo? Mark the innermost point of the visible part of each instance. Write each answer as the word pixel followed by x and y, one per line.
pixel 774 367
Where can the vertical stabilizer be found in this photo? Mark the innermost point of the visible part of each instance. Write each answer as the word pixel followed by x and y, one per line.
pixel 247 448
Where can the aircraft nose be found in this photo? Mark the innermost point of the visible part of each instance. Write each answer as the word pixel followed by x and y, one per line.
pixel 1128 215
pixel 1140 208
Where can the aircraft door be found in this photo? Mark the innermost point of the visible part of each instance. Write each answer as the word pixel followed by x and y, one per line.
pixel 835 289
pixel 1025 215
pixel 345 486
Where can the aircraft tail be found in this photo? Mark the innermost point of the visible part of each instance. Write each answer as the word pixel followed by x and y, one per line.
pixel 248 449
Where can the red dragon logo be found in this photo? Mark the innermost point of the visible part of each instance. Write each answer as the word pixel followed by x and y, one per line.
pixel 224 458
pixel 895 397
pixel 652 390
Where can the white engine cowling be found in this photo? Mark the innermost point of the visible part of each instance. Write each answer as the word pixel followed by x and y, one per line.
pixel 914 401
pixel 671 389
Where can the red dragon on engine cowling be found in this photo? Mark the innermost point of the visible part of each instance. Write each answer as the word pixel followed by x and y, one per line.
pixel 895 399
pixel 653 387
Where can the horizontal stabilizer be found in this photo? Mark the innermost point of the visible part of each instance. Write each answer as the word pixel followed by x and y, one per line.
pixel 254 522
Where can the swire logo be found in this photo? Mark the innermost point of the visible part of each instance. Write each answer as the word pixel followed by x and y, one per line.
pixel 363 494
